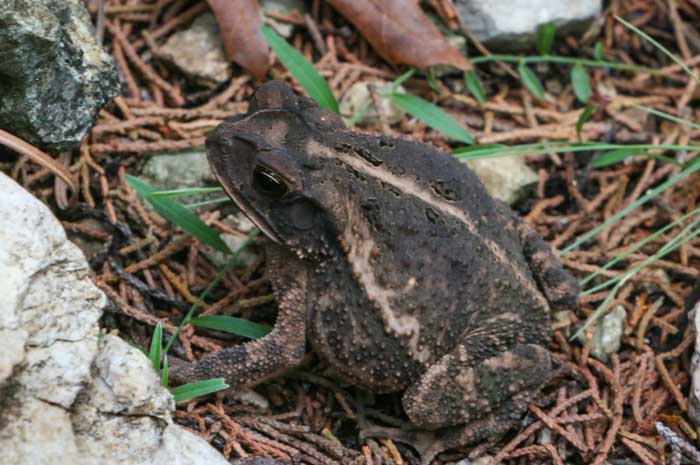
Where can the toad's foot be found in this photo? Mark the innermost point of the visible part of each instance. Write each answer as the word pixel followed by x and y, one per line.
pixel 421 441
pixel 431 443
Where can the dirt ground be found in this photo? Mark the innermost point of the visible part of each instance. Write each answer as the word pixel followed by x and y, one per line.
pixel 607 414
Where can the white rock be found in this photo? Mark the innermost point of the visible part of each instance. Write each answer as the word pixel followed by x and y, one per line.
pixel 127 383
pixel 506 178
pixel 43 277
pixel 37 433
pixel 694 397
pixel 12 349
pixel 59 372
pixel 69 397
pixel 512 24
pixel 180 447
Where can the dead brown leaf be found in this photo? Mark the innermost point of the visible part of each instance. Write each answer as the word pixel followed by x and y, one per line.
pixel 401 33
pixel 239 22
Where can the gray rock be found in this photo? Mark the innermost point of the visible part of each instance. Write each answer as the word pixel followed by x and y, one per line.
pixel 198 52
pixel 177 170
pixel 483 460
pixel 250 398
pixel 607 334
pixel 69 396
pixel 544 436
pixel 54 78
pixel 513 24
pixel 658 273
pixel 357 103
pixel 281 6
pixel 180 170
pixel 506 178
pixel 247 257
pixel 239 222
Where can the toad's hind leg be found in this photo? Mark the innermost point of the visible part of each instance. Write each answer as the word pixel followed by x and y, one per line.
pixel 281 349
pixel 464 400
pixel 458 389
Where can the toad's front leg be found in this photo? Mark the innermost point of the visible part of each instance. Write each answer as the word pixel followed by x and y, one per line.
pixel 283 348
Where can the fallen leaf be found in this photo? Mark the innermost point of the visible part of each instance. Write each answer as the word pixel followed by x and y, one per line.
pixel 401 33
pixel 239 22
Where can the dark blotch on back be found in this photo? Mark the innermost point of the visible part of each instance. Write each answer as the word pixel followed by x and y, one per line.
pixel 443 189
pixel 433 216
pixel 363 153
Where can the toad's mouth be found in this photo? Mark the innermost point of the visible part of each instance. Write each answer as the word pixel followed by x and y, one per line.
pixel 249 211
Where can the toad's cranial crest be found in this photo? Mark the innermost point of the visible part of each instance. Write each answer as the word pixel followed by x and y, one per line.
pixel 395 265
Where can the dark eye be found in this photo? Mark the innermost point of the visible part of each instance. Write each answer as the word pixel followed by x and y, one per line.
pixel 269 183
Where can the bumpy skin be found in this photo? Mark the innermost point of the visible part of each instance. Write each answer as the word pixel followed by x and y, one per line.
pixel 392 260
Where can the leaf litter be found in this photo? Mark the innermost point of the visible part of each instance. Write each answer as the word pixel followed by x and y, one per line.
pixel 631 409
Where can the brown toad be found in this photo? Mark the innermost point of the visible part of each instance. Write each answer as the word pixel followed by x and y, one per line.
pixel 392 261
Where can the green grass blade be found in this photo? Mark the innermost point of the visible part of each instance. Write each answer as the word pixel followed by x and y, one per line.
pixel 432 81
pixel 431 115
pixel 164 372
pixel 693 168
pixel 183 192
pixel 598 51
pixel 462 152
pixel 613 156
pixel 359 114
pixel 530 80
pixel 177 214
pixel 391 88
pixel 545 37
pixel 474 86
pixel 302 70
pixel 663 49
pixel 679 239
pixel 563 60
pixel 598 311
pixel 580 82
pixel 204 203
pixel 541 148
pixel 219 276
pixel 638 245
pixel 584 117
pixel 198 389
pixel 154 353
pixel 668 116
pixel 230 324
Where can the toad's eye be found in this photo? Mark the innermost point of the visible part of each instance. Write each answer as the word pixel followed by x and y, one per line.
pixel 269 183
